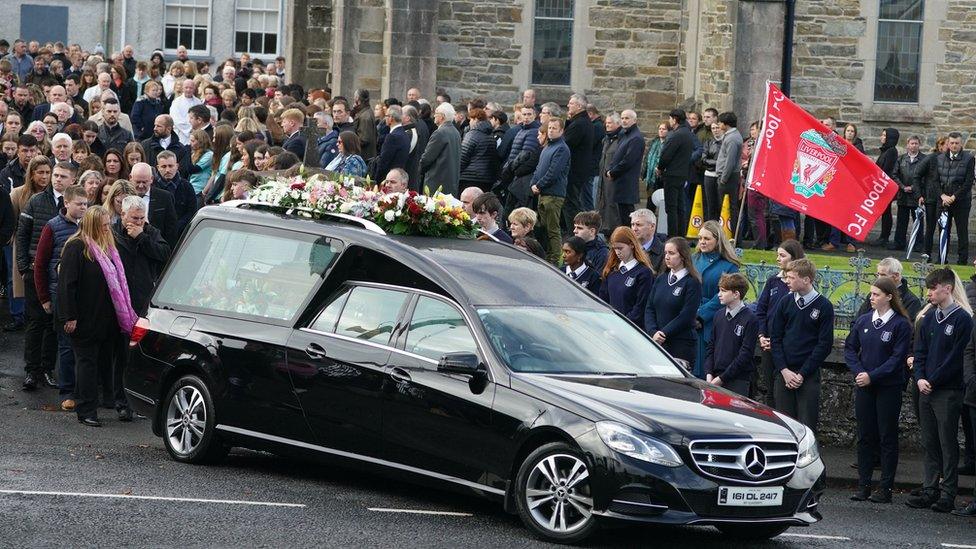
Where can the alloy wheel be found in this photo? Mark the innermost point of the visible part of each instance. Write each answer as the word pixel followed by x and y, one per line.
pixel 557 494
pixel 186 420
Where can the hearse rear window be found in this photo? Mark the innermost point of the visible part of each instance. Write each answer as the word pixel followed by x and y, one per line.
pixel 240 270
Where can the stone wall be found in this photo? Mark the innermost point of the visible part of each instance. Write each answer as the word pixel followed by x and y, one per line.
pixel 309 40
pixel 477 49
pixel 716 58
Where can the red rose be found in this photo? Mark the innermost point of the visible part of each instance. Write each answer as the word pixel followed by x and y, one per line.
pixel 298 186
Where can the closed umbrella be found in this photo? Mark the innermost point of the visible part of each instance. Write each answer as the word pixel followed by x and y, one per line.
pixel 943 237
pixel 917 229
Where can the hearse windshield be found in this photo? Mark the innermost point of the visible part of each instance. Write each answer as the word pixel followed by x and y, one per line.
pixel 572 341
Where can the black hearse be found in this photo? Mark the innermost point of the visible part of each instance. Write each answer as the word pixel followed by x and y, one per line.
pixel 459 361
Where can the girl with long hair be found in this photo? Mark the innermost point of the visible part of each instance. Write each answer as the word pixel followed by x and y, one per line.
pixel 201 158
pixel 876 351
pixel 134 154
pixel 669 317
pixel 37 178
pixel 774 290
pixel 349 160
pixel 627 276
pixel 223 145
pixel 94 306
pixel 115 167
pixel 715 257
pixel 117 191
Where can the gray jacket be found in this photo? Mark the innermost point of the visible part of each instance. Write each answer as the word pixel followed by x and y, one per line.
pixel 729 155
pixel 440 164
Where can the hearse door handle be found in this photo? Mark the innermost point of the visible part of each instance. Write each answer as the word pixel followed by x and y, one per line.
pixel 399 374
pixel 315 351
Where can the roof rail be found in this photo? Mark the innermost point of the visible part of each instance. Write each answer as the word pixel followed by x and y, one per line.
pixel 340 217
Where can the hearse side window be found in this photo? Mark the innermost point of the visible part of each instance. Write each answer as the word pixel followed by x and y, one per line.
pixel 371 313
pixel 238 271
pixel 326 321
pixel 436 329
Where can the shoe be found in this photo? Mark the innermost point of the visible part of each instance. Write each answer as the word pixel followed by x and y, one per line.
pixel 125 415
pixel 30 382
pixel 969 469
pixel 68 405
pixel 881 495
pixel 862 494
pixel 917 492
pixel 944 505
pixel 13 326
pixel 925 500
pixel 90 421
pixel 50 380
pixel 967 511
pixel 877 465
pixel 828 247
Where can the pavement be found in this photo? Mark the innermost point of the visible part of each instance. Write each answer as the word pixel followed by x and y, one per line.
pixel 65 485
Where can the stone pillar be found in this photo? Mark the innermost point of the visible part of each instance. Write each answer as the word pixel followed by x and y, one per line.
pixel 358 61
pixel 410 46
pixel 759 56
pixel 309 42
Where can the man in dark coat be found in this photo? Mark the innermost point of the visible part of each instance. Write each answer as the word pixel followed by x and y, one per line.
pixel 161 207
pixel 184 198
pixel 165 139
pixel 291 123
pixel 955 169
pixel 365 124
pixel 888 162
pixel 673 168
pixel 625 166
pixel 440 164
pixel 396 146
pixel 579 139
pixel 890 267
pixel 419 135
pixel 588 198
pixel 908 192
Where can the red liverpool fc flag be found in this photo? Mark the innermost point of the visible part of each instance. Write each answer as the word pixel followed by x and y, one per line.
pixel 802 164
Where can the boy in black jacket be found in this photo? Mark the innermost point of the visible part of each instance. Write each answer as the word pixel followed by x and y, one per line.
pixel 942 337
pixel 801 333
pixel 735 331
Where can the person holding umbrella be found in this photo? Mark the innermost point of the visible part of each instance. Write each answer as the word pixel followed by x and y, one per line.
pixel 908 192
pixel 927 181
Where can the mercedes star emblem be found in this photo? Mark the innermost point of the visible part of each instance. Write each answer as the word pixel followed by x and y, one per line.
pixel 754 461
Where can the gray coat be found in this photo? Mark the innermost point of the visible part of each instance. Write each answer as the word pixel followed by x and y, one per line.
pixel 727 164
pixel 440 165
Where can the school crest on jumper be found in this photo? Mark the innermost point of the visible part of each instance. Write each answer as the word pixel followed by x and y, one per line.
pixel 677 291
pixel 630 281
pixel 816 158
pixel 815 314
pixel 583 284
pixel 948 330
pixel 886 336
pixel 738 330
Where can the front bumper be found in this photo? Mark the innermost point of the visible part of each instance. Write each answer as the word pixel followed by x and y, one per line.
pixel 629 489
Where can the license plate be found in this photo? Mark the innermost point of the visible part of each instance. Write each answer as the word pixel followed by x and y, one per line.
pixel 737 496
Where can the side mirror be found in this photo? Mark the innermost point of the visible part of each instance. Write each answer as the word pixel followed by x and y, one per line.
pixel 466 364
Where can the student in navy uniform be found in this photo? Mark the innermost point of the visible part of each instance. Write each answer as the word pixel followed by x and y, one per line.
pixel 801 334
pixel 939 348
pixel 772 292
pixel 715 258
pixel 969 407
pixel 670 314
pixel 486 209
pixel 876 352
pixel 735 330
pixel 586 225
pixel 576 267
pixel 627 276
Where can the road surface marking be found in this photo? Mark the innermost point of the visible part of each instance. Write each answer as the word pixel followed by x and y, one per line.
pixel 812 536
pixel 151 498
pixel 957 546
pixel 418 512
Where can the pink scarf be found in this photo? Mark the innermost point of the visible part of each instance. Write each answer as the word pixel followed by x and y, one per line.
pixel 118 287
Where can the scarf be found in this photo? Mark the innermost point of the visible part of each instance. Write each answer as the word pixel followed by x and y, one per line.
pixel 118 288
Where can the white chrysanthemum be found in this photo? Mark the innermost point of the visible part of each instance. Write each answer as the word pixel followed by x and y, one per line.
pixel 389 215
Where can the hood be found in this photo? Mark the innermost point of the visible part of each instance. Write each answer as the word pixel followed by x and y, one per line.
pixel 483 126
pixel 673 409
pixel 891 138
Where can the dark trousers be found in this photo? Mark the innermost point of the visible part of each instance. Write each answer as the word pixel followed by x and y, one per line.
pixel 711 201
pixel 801 404
pixel 90 355
pixel 877 409
pixel 905 214
pixel 959 216
pixel 40 342
pixel 939 424
pixel 767 371
pixel 932 212
pixel 685 349
pixel 674 205
pixel 886 223
pixel 815 232
pixel 737 386
pixel 731 190
pixel 572 205
pixel 119 364
pixel 968 429
pixel 625 210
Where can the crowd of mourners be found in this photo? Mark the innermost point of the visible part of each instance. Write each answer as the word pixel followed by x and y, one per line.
pixel 106 159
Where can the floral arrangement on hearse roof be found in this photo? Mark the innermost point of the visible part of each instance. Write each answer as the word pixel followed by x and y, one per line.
pixel 410 213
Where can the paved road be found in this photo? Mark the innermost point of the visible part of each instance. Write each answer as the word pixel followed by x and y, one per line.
pixel 45 450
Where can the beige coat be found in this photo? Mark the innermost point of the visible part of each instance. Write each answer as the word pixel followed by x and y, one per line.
pixel 15 196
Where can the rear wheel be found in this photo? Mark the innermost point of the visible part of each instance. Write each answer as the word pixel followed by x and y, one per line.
pixel 553 494
pixel 752 532
pixel 189 424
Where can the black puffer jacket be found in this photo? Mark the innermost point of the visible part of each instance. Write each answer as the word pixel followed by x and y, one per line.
pixel 478 159
pixel 39 210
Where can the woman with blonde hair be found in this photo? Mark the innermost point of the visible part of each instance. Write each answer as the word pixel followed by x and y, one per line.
pixel 94 306
pixel 627 276
pixel 37 178
pixel 117 192
pixel 201 157
pixel 173 77
pixel 39 131
pixel 715 257
pixel 248 124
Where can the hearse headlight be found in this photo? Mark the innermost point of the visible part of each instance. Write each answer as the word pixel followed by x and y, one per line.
pixel 629 442
pixel 809 452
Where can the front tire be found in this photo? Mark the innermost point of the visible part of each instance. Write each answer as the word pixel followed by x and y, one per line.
pixel 752 532
pixel 553 494
pixel 189 423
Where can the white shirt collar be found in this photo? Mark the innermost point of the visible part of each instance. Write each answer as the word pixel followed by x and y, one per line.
pixel 647 245
pixel 884 318
pixel 630 265
pixel 165 141
pixel 57 195
pixel 949 309
pixel 577 271
pixel 395 126
pixel 678 275
pixel 736 310
pixel 807 298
